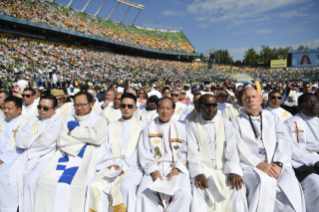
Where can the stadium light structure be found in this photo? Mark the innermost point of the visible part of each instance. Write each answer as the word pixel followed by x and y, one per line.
pixel 86 6
pixel 99 10
pixel 70 4
pixel 130 4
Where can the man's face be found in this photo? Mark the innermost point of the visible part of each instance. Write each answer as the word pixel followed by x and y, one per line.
pixel 151 104
pixel 251 101
pixel 222 97
pixel 128 107
pixel 28 98
pixel 274 100
pixel 167 93
pixel 46 111
pixel 307 88
pixel 208 108
pixel 82 105
pixel 165 110
pixel 196 102
pixel 182 95
pixel 11 111
pixel 109 96
pixel 311 106
pixel 175 96
pixel 2 98
pixel 117 101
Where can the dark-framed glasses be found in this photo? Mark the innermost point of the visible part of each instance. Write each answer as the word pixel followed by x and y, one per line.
pixel 26 95
pixel 274 97
pixel 208 106
pixel 123 106
pixel 45 108
pixel 80 105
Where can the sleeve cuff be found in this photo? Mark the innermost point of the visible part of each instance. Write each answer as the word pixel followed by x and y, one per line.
pixel 180 165
pixel 106 164
pixel 233 168
pixel 151 169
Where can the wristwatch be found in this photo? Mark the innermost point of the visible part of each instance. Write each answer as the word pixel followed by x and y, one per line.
pixel 279 164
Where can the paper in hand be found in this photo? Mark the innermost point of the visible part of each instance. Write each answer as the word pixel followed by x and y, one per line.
pixel 213 190
pixel 166 186
pixel 113 173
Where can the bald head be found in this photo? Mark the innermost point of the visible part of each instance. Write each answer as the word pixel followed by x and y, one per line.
pixel 251 101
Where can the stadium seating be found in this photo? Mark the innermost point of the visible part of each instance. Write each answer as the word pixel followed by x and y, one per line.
pixel 57 16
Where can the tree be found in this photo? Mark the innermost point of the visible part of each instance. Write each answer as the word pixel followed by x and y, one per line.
pixel 302 47
pixel 238 63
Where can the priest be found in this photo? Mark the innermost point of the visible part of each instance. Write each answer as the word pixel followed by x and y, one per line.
pixel 212 152
pixel 29 108
pixel 62 185
pixel 233 110
pixel 119 154
pixel 37 138
pixel 113 113
pixel 304 135
pixel 163 155
pixel 265 156
pixel 274 102
pixel 149 112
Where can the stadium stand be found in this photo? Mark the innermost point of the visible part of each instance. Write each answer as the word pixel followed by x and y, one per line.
pixel 55 15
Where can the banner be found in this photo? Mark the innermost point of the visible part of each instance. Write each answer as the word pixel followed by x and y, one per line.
pixel 305 59
pixel 278 63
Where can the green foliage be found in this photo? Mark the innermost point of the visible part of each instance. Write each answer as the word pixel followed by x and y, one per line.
pixel 266 54
pixel 302 47
pixel 223 57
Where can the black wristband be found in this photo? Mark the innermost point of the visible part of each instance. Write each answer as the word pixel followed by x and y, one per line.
pixel 279 164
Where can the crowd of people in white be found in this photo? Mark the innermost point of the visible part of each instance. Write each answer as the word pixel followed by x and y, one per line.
pixel 123 154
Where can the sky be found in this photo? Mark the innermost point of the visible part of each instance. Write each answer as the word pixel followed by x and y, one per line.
pixel 235 25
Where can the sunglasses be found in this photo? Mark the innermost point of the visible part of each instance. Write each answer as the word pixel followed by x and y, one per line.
pixel 175 95
pixel 183 93
pixel 123 106
pixel 26 95
pixel 44 108
pixel 207 106
pixel 274 97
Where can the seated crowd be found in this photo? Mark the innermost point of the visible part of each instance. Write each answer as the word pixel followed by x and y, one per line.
pixel 186 148
pixel 55 15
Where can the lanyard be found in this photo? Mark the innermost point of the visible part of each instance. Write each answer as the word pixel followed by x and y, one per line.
pixel 261 125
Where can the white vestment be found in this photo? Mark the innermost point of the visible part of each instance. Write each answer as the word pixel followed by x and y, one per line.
pixel 222 107
pixel 304 134
pixel 38 138
pixel 227 159
pixel 2 116
pixel 30 111
pixel 65 110
pixel 191 116
pixel 162 148
pixel 111 114
pixel 280 112
pixel 145 115
pixel 8 130
pixel 99 191
pixel 62 184
pixel 232 111
pixel 180 111
pixel 265 193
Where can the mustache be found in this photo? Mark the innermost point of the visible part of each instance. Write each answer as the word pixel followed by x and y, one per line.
pixel 251 103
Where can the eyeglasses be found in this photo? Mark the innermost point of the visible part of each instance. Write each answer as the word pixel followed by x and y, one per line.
pixel 183 93
pixel 45 108
pixel 26 95
pixel 167 92
pixel 123 106
pixel 80 105
pixel 208 106
pixel 307 86
pixel 222 96
pixel 175 95
pixel 274 97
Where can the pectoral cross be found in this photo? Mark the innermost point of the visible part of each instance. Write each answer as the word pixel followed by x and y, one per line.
pixel 298 131
pixel 15 131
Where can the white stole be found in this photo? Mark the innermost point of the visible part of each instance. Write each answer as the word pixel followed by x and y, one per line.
pixel 208 167
pixel 67 168
pixel 157 141
pixel 116 193
pixel 297 127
